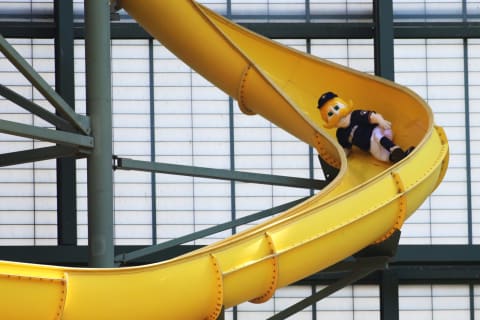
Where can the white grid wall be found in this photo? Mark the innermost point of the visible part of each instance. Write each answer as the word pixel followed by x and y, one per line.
pixel 405 10
pixel 192 127
pixel 131 135
pixel 287 10
pixel 439 302
pixel 80 107
pixel 474 107
pixel 28 193
pixel 476 301
pixel 435 70
pixel 352 302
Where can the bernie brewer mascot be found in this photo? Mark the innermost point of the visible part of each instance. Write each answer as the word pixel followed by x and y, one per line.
pixel 365 129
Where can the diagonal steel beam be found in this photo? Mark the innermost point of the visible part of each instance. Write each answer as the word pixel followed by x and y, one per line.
pixel 44 134
pixel 79 121
pixel 39 154
pixel 364 268
pixel 222 174
pixel 34 108
pixel 127 257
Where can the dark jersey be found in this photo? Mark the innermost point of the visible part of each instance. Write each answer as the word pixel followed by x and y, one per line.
pixel 359 131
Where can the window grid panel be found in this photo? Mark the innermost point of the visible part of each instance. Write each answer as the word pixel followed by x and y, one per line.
pixel 27 9
pixel 277 10
pixel 434 302
pixel 473 10
pixel 82 203
pixel 28 204
pixel 428 10
pixel 288 10
pixel 433 68
pixel 262 147
pixel 192 128
pixel 131 139
pixel 353 53
pixel 341 10
pixel 220 6
pixel 474 107
pixel 81 170
pixel 351 302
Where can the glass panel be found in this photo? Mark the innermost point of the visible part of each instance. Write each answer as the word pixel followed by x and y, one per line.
pixel 28 195
pixel 428 10
pixel 341 10
pixel 434 302
pixel 434 69
pixel 474 106
pixel 31 10
pixel 191 128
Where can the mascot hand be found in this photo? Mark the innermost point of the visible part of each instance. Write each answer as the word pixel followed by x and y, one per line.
pixel 382 123
pixel 385 124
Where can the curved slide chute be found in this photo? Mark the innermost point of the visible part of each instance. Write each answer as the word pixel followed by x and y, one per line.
pixel 365 203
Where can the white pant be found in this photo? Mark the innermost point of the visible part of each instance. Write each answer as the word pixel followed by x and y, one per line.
pixel 376 149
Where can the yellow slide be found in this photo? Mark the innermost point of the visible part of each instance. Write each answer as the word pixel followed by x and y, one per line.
pixel 365 203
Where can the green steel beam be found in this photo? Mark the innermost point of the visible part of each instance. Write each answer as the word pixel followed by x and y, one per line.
pixel 65 86
pixel 329 171
pixel 365 267
pixel 221 316
pixel 436 30
pixel 39 154
pixel 44 134
pixel 79 121
pixel 34 108
pixel 24 29
pixel 472 301
pixel 67 255
pixel 428 264
pixel 389 306
pixel 222 174
pixel 311 166
pixel 126 257
pixel 301 30
pixel 317 30
pixel 277 30
pixel 153 152
pixel 468 143
pixel 99 108
pixel 437 254
pixel 231 144
pixel 383 47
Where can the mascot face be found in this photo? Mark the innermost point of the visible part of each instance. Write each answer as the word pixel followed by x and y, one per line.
pixel 334 112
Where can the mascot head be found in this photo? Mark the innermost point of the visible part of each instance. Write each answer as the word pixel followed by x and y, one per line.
pixel 332 109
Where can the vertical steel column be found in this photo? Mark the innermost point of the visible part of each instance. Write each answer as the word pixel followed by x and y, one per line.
pixel 384 67
pixel 233 186
pixel 153 152
pixel 468 146
pixel 311 166
pixel 389 305
pixel 383 15
pixel 64 85
pixel 99 108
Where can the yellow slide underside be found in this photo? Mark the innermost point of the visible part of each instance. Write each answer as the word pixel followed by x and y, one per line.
pixel 364 204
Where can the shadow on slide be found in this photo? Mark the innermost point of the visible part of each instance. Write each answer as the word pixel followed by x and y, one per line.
pixel 364 204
